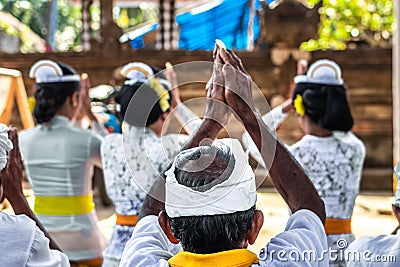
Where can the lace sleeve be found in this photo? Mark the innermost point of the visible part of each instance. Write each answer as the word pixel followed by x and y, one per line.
pixel 272 119
pixel 187 118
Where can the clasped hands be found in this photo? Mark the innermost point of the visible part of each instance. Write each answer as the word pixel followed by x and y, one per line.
pixel 229 89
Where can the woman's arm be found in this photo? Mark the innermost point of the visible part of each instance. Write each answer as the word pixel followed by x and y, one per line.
pixel 182 113
pixel 85 110
pixel 187 118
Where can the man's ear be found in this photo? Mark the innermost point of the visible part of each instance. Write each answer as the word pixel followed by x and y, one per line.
pixel 256 224
pixel 74 99
pixel 164 223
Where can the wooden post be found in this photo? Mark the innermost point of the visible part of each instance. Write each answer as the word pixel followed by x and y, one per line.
pixel 110 32
pixel 12 87
pixel 166 38
pixel 106 16
pixel 86 33
pixel 396 89
pixel 51 23
pixel 250 31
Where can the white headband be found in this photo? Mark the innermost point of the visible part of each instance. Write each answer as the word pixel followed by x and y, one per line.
pixel 237 193
pixel 322 71
pixel 136 72
pixel 5 145
pixel 47 71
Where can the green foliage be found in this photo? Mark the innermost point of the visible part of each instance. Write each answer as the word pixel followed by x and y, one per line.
pixel 33 15
pixel 69 24
pixel 129 17
pixel 352 21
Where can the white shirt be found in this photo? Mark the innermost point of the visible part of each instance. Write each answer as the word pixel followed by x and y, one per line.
pixel 132 162
pixel 383 250
pixel 304 231
pixel 59 160
pixel 23 244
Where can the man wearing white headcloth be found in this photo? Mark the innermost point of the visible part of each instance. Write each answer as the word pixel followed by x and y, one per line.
pixel 208 217
pixel 22 243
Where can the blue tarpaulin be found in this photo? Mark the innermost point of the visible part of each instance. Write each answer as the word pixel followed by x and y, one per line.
pixel 136 36
pixel 227 20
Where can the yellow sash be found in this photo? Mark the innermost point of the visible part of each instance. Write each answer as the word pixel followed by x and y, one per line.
pixel 129 220
pixel 337 226
pixel 230 258
pixel 63 205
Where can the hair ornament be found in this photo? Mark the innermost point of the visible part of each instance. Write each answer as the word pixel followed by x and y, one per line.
pixel 48 71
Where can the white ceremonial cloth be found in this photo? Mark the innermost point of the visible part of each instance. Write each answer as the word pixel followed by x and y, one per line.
pixel 5 145
pixel 304 231
pixel 375 251
pixel 237 193
pixel 23 244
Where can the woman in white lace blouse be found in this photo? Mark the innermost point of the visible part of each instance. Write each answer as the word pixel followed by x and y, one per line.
pixel 133 160
pixel 330 154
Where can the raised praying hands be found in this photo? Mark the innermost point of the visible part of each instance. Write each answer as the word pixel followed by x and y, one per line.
pixel 84 101
pixel 216 107
pixel 287 175
pixel 232 85
pixel 12 173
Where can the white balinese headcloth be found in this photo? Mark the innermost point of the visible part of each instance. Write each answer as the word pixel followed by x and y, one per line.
pixel 5 145
pixel 48 71
pixel 136 72
pixel 323 71
pixel 237 193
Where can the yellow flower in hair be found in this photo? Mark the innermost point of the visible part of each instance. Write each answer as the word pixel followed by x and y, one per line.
pixel 31 103
pixel 161 92
pixel 299 106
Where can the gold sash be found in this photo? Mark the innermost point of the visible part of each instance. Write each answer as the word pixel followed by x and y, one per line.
pixel 232 258
pixel 63 205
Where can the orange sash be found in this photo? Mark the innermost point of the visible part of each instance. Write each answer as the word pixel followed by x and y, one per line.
pixel 128 220
pixel 337 226
pixel 90 263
